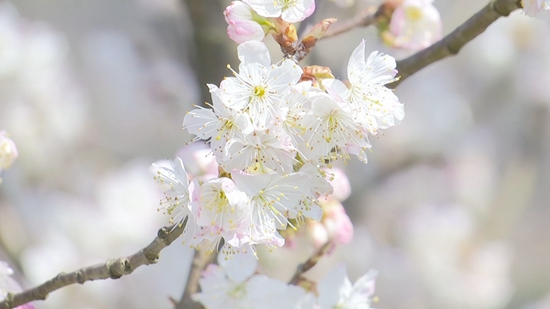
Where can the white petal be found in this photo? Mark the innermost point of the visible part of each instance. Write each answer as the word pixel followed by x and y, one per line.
pixel 254 52
pixel 240 266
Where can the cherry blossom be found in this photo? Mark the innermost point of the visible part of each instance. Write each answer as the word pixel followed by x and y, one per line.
pixel 336 290
pixel 372 104
pixel 537 8
pixel 234 284
pixel 259 87
pixel 289 10
pixel 415 24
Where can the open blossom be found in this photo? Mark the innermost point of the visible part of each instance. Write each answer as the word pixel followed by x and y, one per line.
pixel 373 105
pixel 8 285
pixel 331 125
pixel 337 292
pixel 275 198
pixel 233 284
pixel 8 151
pixel 222 211
pixel 178 191
pixel 290 11
pixel 219 124
pixel 243 23
pixel 415 24
pixel 259 87
pixel 537 8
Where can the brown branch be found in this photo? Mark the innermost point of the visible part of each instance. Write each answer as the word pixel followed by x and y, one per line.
pixel 454 41
pixel 311 262
pixel 112 269
pixel 200 261
pixel 366 18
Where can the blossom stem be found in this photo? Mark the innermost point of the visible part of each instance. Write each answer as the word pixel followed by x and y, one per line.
pixel 454 41
pixel 111 269
pixel 365 18
pixel 311 262
pixel 200 260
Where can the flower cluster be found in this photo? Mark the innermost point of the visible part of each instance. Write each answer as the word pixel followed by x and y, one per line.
pixel 234 283
pixel 272 135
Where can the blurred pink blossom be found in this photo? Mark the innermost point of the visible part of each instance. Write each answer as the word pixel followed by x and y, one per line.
pixel 8 151
pixel 8 285
pixel 340 183
pixel 539 9
pixel 415 24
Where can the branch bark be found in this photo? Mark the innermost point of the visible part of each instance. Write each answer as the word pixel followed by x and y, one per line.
pixel 366 18
pixel 200 261
pixel 454 41
pixel 111 269
pixel 311 262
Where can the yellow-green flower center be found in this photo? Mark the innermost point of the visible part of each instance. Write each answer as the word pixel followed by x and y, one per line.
pixel 259 91
pixel 413 13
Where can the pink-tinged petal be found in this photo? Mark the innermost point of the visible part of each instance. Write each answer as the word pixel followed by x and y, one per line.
pixel 243 31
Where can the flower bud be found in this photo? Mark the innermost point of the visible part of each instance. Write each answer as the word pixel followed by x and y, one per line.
pixel 242 23
pixel 8 151
pixel 337 223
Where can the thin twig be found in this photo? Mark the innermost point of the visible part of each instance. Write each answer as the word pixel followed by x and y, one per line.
pixel 454 41
pixel 364 19
pixel 311 262
pixel 112 269
pixel 200 261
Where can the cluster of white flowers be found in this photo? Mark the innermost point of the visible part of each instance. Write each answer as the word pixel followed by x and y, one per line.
pixel 234 284
pixel 272 135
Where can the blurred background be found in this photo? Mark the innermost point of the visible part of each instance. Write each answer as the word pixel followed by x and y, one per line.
pixel 453 208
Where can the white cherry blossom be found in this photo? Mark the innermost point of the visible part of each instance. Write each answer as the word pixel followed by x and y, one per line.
pixel 219 124
pixel 178 191
pixel 415 24
pixel 266 150
pixel 274 198
pixel 233 284
pixel 337 292
pixel 289 10
pixel 222 211
pixel 331 125
pixel 259 87
pixel 374 105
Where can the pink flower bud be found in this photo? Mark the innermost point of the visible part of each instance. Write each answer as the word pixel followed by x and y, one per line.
pixel 337 223
pixel 8 151
pixel 340 183
pixel 242 25
pixel 415 24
